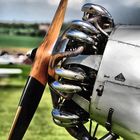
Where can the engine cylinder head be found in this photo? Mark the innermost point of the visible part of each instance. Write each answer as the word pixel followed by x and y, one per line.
pixel 84 26
pixel 102 16
pixel 80 36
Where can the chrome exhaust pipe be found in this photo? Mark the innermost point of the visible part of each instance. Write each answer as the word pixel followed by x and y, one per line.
pixel 95 22
pixel 70 75
pixel 61 46
pixel 95 10
pixel 99 17
pixel 65 117
pixel 66 125
pixel 84 26
pixel 80 36
pixel 65 88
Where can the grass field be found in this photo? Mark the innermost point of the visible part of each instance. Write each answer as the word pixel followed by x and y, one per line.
pixel 18 44
pixel 41 128
pixel 10 41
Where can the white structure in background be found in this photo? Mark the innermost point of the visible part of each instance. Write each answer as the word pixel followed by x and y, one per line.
pixel 12 59
pixel 6 58
pixel 9 71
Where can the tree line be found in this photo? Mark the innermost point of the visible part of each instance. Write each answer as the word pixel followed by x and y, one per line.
pixel 26 29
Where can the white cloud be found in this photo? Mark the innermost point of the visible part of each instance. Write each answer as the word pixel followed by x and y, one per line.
pixel 131 3
pixel 71 3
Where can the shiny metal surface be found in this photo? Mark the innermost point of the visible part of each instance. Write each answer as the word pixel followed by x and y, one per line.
pixel 82 102
pixel 99 17
pixel 66 124
pixel 68 74
pixel 95 9
pixel 60 46
pixel 127 34
pixel 64 116
pixel 70 89
pixel 119 74
pixel 80 36
pixel 94 20
pixel 84 26
pixel 91 61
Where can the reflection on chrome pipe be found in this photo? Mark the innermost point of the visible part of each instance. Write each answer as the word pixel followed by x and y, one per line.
pixel 66 124
pixel 99 17
pixel 101 30
pixel 96 10
pixel 64 116
pixel 70 89
pixel 95 22
pixel 68 74
pixel 60 46
pixel 80 36
pixel 84 26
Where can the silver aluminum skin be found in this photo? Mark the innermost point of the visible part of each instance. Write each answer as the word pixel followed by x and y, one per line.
pixel 119 74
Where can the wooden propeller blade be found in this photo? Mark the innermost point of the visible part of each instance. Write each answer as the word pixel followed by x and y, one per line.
pixel 45 50
pixel 38 77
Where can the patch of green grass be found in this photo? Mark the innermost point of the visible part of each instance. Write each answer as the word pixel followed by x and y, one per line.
pixel 19 41
pixel 41 127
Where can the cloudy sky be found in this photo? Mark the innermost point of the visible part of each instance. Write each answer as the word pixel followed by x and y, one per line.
pixel 43 10
pixel 36 10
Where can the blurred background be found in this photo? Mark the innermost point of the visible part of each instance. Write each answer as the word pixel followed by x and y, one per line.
pixel 23 24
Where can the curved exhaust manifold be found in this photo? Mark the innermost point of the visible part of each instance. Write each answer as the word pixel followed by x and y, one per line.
pixel 84 26
pixel 79 36
pixel 64 116
pixel 65 119
pixel 65 88
pixel 69 74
